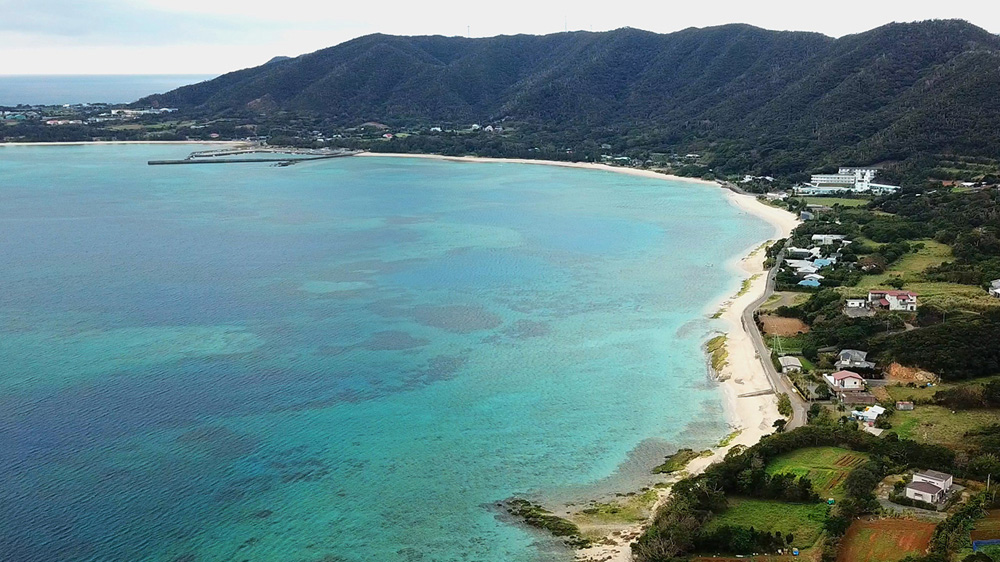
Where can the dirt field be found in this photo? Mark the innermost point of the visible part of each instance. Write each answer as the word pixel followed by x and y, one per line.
pixel 778 326
pixel 901 374
pixel 885 540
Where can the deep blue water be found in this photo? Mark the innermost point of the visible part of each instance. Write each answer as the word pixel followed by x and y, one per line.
pixel 58 89
pixel 348 360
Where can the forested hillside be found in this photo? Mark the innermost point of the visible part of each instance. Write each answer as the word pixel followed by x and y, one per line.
pixel 771 101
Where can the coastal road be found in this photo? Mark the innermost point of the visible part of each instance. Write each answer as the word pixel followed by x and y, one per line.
pixel 778 382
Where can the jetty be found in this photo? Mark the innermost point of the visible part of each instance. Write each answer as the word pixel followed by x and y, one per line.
pixel 282 156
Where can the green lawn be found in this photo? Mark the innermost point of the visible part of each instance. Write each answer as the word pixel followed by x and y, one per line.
pixel 910 266
pixel 788 344
pixel 827 467
pixel 935 424
pixel 803 520
pixel 831 201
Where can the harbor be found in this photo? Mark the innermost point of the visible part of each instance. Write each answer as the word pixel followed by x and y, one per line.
pixel 283 156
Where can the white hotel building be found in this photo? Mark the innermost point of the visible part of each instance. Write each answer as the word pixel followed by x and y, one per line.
pixel 846 179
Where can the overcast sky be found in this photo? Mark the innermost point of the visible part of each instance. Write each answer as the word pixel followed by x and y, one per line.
pixel 217 36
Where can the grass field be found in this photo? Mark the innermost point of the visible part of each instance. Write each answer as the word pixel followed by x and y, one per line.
pixel 827 467
pixel 784 298
pixel 886 540
pixel 803 520
pixel 934 424
pixel 910 266
pixel 831 201
pixel 901 392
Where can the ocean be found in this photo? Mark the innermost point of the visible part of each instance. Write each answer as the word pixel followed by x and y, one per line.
pixel 345 360
pixel 73 89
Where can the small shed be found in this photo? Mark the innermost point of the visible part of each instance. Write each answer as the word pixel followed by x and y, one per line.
pixel 904 405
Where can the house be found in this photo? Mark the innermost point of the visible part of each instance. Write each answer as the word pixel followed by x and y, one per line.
pixel 813 277
pixel 827 239
pixel 869 414
pixel 776 196
pixel 808 283
pixel 790 364
pixel 995 288
pixel 798 253
pixel 893 300
pixel 942 480
pixel 857 303
pixel 824 262
pixel 929 486
pixel 922 491
pixel 853 359
pixel 806 216
pixel 806 270
pixel 845 381
pixel 904 405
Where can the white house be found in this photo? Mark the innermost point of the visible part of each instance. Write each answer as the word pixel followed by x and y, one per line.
pixel 790 364
pixel 853 359
pixel 842 381
pixel 869 414
pixel 942 480
pixel 995 288
pixel 893 300
pixel 857 303
pixel 924 492
pixel 929 486
pixel 826 239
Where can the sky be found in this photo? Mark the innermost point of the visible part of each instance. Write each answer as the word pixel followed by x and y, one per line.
pixel 218 36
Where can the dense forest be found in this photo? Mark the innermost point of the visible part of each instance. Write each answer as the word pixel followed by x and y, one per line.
pixel 765 101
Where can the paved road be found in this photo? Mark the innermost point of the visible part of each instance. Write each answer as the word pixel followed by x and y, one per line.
pixel 778 382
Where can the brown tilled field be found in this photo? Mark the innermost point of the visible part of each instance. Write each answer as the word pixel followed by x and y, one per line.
pixel 779 326
pixel 884 540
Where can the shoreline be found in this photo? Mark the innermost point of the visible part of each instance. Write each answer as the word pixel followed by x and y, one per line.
pixel 578 165
pixel 750 418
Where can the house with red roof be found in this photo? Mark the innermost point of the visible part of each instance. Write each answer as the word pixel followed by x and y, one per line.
pixel 893 300
pixel 845 381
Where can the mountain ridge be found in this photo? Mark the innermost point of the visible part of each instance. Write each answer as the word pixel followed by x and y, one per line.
pixel 873 93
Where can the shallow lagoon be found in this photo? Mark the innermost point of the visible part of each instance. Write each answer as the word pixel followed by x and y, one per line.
pixel 344 360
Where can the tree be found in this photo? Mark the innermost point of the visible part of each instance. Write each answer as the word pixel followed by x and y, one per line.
pixel 779 425
pixel 784 405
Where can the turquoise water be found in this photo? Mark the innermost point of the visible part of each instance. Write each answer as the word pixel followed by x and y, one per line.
pixel 344 360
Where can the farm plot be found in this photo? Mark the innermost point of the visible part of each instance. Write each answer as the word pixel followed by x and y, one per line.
pixel 988 527
pixel 885 540
pixel 780 326
pixel 826 467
